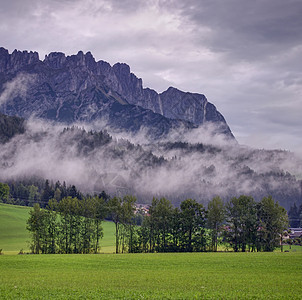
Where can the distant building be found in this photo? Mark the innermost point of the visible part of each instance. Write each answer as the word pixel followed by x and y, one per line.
pixel 295 233
pixel 142 208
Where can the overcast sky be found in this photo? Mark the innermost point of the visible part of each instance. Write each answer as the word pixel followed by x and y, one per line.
pixel 245 56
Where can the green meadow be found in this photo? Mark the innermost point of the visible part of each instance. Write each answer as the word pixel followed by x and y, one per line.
pixel 14 236
pixel 152 276
pixel 13 233
pixel 223 275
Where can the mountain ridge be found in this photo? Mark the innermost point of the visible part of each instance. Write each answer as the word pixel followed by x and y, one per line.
pixel 79 88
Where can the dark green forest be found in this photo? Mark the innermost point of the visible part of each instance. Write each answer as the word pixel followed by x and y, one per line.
pixel 10 126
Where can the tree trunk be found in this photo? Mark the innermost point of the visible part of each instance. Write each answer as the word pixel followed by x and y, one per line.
pixel 116 238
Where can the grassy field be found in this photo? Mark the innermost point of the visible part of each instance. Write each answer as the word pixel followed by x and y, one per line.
pixel 14 236
pixel 152 276
pixel 141 276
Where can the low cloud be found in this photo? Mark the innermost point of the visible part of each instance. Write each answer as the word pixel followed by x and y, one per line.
pixel 18 86
pixel 175 168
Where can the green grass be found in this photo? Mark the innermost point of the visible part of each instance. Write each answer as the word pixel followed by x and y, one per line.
pixel 141 276
pixel 108 240
pixel 152 276
pixel 293 248
pixel 14 236
pixel 13 233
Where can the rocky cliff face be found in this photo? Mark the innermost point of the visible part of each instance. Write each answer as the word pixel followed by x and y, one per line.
pixel 78 88
pixel 11 63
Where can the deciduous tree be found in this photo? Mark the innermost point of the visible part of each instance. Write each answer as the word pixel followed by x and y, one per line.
pixel 215 219
pixel 273 221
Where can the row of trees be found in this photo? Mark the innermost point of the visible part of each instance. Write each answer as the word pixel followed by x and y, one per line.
pixel 255 225
pixel 68 226
pixel 170 229
pixel 31 191
pixel 74 226
pixel 242 223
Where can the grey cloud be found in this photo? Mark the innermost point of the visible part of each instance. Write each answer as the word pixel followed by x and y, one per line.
pixel 18 86
pixel 15 8
pixel 128 5
pixel 245 56
pixel 248 28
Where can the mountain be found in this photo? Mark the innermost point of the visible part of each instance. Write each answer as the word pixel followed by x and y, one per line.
pixel 78 88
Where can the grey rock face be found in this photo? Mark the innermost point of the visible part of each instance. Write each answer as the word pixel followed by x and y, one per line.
pixel 185 106
pixel 13 62
pixel 76 87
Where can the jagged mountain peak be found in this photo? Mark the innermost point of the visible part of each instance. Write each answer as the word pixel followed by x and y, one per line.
pixel 122 68
pixel 77 87
pixel 55 59
pixel 172 89
pixel 16 60
pixel 58 60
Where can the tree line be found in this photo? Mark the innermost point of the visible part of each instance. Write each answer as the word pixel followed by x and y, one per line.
pixel 68 226
pixel 242 223
pixel 29 191
pixel 10 126
pixel 295 216
pixel 75 226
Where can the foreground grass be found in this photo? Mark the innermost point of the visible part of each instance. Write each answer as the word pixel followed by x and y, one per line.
pixel 14 236
pixel 152 276
pixel 140 276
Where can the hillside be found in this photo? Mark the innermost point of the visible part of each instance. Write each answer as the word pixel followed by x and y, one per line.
pixel 97 161
pixel 14 236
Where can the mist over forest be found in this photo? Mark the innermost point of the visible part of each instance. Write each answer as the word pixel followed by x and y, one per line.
pixel 199 164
